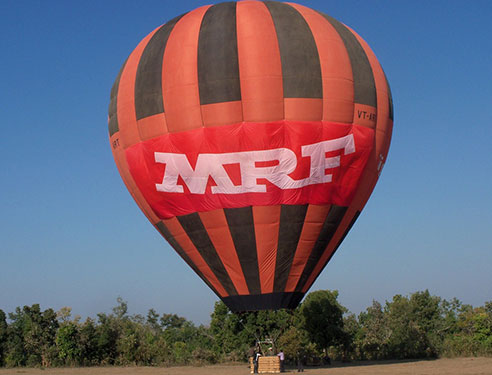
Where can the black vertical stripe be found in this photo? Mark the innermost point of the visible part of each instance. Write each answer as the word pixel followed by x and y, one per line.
pixel 333 219
pixel 194 228
pixel 364 86
pixel 241 226
pixel 148 81
pixel 218 65
pixel 113 125
pixel 299 56
pixel 291 223
pixel 175 245
pixel 390 97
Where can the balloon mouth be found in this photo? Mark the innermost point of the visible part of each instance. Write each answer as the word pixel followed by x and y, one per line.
pixel 268 301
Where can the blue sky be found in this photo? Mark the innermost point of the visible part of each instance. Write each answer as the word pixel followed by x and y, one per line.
pixel 70 234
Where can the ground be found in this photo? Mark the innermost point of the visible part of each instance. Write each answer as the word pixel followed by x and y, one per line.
pixel 455 366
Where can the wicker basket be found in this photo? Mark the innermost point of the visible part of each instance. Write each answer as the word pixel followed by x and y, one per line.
pixel 266 365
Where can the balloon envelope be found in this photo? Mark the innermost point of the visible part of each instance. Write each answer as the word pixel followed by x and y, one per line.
pixel 251 135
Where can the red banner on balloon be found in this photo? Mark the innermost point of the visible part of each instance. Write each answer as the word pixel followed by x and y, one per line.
pixel 250 164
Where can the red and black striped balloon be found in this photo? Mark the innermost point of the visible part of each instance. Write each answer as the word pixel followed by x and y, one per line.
pixel 233 78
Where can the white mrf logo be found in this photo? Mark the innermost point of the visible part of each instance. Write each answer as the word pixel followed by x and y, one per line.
pixel 212 165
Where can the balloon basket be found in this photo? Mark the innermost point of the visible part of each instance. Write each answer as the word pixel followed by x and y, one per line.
pixel 266 365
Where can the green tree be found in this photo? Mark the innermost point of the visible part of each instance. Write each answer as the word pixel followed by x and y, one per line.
pixel 3 337
pixel 488 307
pixel 351 328
pixel 451 311
pixel 46 331
pixel 32 337
pixel 107 333
pixel 293 342
pixel 181 353
pixel 373 336
pixel 415 324
pixel 406 339
pixel 121 309
pixel 68 343
pixel 159 349
pixel 129 344
pixel 15 354
pixel 187 342
pixel 89 343
pixel 153 320
pixel 474 334
pixel 427 315
pixel 171 321
pixel 202 348
pixel 230 336
pixel 323 318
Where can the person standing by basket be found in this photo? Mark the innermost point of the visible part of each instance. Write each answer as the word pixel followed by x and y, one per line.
pixel 281 356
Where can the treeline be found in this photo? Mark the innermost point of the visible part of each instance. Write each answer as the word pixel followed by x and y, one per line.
pixel 415 326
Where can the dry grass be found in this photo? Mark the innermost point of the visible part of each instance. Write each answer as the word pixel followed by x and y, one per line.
pixel 455 366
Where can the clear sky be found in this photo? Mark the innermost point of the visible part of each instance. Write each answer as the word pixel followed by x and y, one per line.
pixel 70 234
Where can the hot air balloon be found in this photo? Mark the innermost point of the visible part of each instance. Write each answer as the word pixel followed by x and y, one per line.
pixel 251 134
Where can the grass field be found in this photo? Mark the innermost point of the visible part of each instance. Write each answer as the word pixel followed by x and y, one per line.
pixel 455 366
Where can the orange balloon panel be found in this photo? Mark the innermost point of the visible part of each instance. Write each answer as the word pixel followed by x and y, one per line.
pixel 251 134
